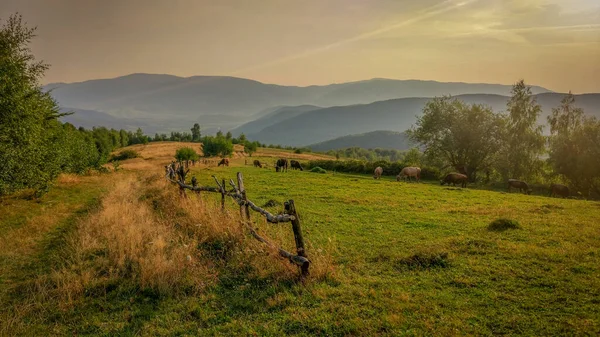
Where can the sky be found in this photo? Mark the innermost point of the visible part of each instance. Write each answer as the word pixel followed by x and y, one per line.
pixel 551 43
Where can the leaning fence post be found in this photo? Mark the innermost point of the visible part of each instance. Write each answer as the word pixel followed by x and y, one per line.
pixel 291 210
pixel 223 195
pixel 244 206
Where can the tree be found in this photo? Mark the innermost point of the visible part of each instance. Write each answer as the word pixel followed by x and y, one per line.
pixel 465 137
pixel 242 138
pixel 250 147
pixel 216 146
pixel 196 133
pixel 573 146
pixel 228 136
pixel 524 141
pixel 29 128
pixel 219 133
pixel 185 154
pixel 412 157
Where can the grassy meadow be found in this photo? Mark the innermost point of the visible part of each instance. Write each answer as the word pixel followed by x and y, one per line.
pixel 122 254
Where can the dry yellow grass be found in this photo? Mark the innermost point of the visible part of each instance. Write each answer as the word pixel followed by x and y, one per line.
pixel 68 178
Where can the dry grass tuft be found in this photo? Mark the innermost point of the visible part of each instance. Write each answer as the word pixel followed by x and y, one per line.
pixel 68 179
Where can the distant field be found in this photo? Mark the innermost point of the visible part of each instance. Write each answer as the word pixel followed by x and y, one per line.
pixel 396 258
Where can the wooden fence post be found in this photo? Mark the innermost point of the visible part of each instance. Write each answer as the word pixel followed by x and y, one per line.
pixel 291 210
pixel 244 207
pixel 223 195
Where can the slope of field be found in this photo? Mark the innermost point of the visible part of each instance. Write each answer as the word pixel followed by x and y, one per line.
pixel 370 140
pixel 404 258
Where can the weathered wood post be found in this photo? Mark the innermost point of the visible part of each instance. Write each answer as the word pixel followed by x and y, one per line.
pixel 243 207
pixel 291 210
pixel 223 195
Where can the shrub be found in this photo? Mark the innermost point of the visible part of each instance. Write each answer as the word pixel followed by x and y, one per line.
pixel 318 170
pixel 186 153
pixel 217 146
pixel 500 225
pixel 125 154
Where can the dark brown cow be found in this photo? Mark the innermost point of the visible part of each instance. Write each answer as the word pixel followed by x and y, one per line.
pixel 559 190
pixel 521 185
pixel 281 165
pixel 257 163
pixel 296 165
pixel 454 178
pixel 224 162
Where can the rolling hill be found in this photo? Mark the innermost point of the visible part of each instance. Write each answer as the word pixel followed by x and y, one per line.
pixel 271 118
pixel 371 140
pixel 398 115
pixel 181 101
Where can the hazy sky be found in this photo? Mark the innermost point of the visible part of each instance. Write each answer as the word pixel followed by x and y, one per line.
pixel 552 43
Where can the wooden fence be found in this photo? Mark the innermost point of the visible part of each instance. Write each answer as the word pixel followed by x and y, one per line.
pixel 238 194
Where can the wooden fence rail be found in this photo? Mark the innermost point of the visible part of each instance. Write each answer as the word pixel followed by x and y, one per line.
pixel 238 194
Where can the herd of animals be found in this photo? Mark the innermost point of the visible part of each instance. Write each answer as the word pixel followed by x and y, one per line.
pixel 281 165
pixel 459 178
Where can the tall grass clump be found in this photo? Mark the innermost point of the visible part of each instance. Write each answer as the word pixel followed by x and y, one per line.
pixel 502 224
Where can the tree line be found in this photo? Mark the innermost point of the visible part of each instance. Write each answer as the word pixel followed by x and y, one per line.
pixel 495 146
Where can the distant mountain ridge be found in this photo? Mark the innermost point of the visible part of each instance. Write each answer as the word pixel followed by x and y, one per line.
pixel 389 140
pixel 398 115
pixel 175 102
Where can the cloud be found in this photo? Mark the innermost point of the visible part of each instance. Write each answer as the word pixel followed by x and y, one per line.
pixel 424 14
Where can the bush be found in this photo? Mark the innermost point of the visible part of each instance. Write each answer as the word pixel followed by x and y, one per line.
pixel 500 225
pixel 125 154
pixel 217 146
pixel 185 154
pixel 317 169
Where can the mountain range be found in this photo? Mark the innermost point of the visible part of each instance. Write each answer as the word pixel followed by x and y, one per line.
pixel 319 125
pixel 171 103
pixel 389 140
pixel 274 114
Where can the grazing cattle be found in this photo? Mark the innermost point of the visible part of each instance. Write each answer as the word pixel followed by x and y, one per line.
pixel 224 162
pixel 378 172
pixel 559 190
pixel 521 185
pixel 281 165
pixel 409 172
pixel 296 165
pixel 257 163
pixel 454 178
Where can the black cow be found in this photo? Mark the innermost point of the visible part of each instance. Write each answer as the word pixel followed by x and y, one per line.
pixel 281 165
pixel 559 190
pixel 521 185
pixel 296 165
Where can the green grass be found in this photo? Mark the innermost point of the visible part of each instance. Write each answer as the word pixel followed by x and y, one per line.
pixel 414 259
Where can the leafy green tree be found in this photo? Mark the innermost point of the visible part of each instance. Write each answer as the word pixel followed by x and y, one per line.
pixel 124 138
pixel 228 135
pixel 413 157
pixel 196 133
pixel 250 147
pixel 242 138
pixel 185 154
pixel 216 146
pixel 574 153
pixel 465 137
pixel 219 133
pixel 524 142
pixel 28 116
